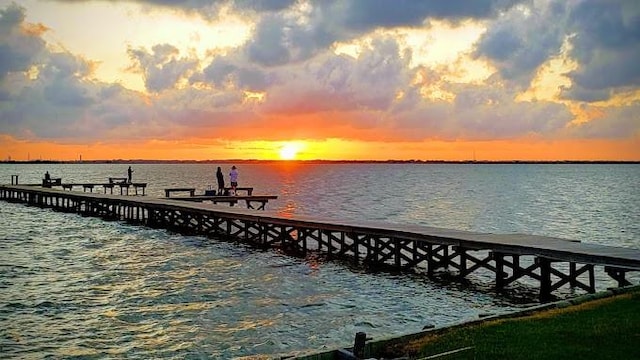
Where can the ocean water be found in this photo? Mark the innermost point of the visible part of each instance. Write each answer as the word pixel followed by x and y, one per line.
pixel 78 287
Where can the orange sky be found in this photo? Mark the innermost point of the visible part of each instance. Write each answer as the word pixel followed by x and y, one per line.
pixel 524 149
pixel 342 80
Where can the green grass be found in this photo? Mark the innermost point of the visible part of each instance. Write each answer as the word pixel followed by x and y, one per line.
pixel 601 329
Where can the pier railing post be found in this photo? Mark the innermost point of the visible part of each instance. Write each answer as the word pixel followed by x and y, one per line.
pixel 358 344
pixel 462 253
pixel 545 278
pixel 500 275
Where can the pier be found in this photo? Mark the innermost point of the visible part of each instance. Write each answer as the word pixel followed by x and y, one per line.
pixel 551 262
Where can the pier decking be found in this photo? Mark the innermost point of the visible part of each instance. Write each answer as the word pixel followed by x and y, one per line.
pixel 552 262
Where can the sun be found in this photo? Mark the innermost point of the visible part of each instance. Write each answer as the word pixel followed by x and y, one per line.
pixel 289 151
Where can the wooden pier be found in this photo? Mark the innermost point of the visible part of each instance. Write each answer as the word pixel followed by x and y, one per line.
pixel 552 262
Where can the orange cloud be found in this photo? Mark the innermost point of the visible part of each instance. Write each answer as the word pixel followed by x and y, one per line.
pixel 34 29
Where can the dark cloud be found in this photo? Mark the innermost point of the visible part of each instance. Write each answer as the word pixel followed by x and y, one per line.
pixel 209 9
pixel 369 14
pixel 604 38
pixel 17 48
pixel 268 45
pixel 523 39
pixel 225 71
pixel 264 5
pixel 161 67
pixel 281 38
pixel 606 45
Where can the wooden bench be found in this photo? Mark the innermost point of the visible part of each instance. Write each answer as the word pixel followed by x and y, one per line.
pixel 124 187
pixel 249 190
pixel 117 180
pixel 51 182
pixel 167 192
pixel 108 186
pixel 262 200
pixel 137 186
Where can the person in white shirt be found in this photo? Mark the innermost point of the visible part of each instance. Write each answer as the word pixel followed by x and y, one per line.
pixel 233 178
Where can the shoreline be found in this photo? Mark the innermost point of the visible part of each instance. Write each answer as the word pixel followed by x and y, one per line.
pixel 375 347
pixel 318 161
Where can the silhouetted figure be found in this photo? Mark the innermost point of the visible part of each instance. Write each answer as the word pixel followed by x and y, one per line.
pixel 129 173
pixel 47 180
pixel 220 178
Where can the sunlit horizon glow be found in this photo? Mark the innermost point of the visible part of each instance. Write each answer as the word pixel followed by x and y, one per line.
pixel 314 80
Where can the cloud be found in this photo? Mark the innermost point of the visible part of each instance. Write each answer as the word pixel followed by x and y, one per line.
pixel 264 5
pixel 606 45
pixel 18 48
pixel 333 83
pixel 522 39
pixel 370 14
pixel 268 44
pixel 230 72
pixel 287 81
pixel 603 38
pixel 490 112
pixel 616 122
pixel 161 68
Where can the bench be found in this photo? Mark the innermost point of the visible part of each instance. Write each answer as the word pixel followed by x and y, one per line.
pixel 137 186
pixel 51 182
pixel 167 192
pixel 117 180
pixel 124 187
pixel 249 190
pixel 262 200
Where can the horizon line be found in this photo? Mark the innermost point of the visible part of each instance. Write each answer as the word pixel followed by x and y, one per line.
pixel 318 161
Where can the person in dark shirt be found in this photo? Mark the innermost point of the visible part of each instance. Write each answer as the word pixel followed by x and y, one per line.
pixel 220 178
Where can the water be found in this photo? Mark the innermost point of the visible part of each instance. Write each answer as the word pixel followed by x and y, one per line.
pixel 77 287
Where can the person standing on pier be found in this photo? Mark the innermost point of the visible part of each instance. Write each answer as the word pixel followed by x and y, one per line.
pixel 220 178
pixel 233 178
pixel 129 174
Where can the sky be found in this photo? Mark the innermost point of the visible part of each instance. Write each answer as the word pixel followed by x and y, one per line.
pixel 330 79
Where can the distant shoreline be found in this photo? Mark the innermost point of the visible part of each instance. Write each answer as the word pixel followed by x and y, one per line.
pixel 255 161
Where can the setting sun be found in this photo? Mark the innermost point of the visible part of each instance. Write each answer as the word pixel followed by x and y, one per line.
pixel 289 151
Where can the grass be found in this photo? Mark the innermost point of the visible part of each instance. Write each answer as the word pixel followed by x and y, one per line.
pixel 601 329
